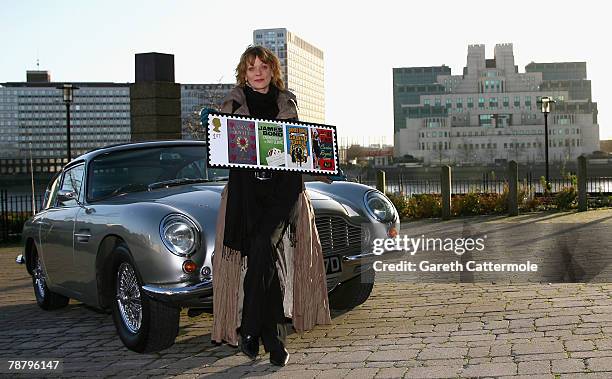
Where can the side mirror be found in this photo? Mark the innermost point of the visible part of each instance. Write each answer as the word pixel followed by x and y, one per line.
pixel 66 195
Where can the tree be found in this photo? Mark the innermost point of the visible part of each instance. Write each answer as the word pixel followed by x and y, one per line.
pixel 490 152
pixel 568 150
pixel 465 154
pixel 518 151
pixel 209 97
pixel 442 154
pixel 540 152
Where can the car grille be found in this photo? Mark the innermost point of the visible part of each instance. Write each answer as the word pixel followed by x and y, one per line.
pixel 338 236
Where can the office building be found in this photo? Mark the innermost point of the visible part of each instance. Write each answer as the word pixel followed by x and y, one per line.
pixel 33 121
pixel 302 66
pixel 490 113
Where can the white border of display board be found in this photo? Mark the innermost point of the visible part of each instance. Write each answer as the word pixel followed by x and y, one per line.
pixel 280 145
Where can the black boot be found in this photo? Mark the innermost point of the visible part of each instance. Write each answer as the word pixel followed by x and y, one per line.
pixel 279 357
pixel 249 345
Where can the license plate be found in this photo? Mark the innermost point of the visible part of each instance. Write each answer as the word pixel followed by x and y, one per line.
pixel 332 264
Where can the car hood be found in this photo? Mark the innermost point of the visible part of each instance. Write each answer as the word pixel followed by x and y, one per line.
pixel 193 198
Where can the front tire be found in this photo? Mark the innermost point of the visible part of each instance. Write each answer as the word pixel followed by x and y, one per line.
pixel 144 325
pixel 45 298
pixel 353 292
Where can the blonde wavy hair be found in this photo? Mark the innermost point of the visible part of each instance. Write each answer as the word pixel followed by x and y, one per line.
pixel 266 56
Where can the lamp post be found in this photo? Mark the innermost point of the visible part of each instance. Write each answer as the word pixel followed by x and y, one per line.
pixel 68 91
pixel 546 103
pixel 32 175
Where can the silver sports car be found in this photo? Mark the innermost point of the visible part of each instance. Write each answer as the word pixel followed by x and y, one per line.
pixel 130 229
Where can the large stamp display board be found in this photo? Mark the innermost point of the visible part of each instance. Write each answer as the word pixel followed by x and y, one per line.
pixel 236 141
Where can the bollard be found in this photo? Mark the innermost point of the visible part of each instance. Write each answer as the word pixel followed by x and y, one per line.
pixel 381 183
pixel 582 184
pixel 513 188
pixel 445 184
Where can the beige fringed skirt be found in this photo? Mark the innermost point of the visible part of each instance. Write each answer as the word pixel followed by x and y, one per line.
pixel 301 273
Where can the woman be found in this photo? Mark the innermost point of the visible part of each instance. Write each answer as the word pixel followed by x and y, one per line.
pixel 268 261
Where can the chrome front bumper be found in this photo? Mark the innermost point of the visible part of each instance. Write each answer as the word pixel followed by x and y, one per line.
pixel 355 264
pixel 182 295
pixel 368 258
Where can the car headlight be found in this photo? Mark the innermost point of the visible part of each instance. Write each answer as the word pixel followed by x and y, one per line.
pixel 179 234
pixel 379 206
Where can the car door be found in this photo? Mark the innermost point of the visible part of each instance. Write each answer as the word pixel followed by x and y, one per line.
pixel 57 232
pixel 38 224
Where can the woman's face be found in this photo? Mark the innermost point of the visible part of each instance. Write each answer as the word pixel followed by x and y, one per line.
pixel 259 75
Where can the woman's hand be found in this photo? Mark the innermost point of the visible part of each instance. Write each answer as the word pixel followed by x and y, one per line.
pixel 204 112
pixel 322 178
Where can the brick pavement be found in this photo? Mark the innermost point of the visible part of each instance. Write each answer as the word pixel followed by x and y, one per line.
pixel 403 330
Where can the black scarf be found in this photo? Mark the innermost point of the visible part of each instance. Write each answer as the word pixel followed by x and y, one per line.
pixel 254 206
pixel 262 105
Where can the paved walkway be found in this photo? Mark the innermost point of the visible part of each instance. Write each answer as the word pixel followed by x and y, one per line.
pixel 403 330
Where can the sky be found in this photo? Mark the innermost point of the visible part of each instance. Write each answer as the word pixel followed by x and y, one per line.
pixel 362 41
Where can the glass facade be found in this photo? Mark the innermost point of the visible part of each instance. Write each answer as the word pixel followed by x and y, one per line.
pixel 33 119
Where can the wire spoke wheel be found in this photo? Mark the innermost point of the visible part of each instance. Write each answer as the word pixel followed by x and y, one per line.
pixel 39 278
pixel 128 297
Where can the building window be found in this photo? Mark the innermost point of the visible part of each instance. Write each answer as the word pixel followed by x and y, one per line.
pixel 485 120
pixel 503 120
pixel 427 102
pixel 438 101
pixel 481 102
pixel 470 102
pixel 517 101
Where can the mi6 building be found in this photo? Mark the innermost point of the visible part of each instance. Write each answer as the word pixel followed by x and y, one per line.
pixel 490 113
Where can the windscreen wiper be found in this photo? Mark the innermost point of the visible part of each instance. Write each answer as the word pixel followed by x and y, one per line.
pixel 176 182
pixel 132 187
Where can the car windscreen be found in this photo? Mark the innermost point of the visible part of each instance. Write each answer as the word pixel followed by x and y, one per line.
pixel 136 169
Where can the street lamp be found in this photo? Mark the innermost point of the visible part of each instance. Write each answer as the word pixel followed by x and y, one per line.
pixel 68 91
pixel 546 103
